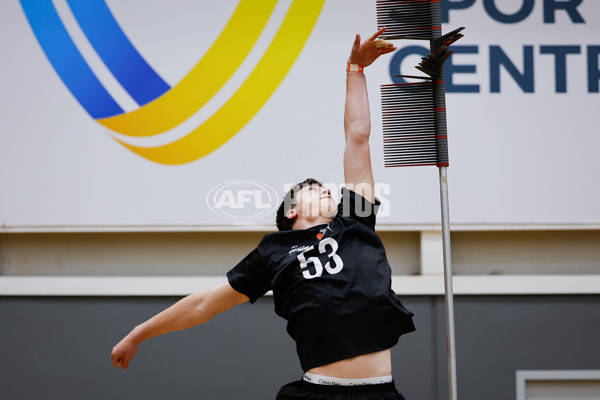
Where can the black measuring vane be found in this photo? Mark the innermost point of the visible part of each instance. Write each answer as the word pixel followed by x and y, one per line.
pixel 414 114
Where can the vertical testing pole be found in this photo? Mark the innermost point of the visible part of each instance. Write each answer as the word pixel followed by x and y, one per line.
pixel 449 294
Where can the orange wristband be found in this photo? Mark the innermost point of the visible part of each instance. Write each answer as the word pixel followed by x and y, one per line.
pixel 354 68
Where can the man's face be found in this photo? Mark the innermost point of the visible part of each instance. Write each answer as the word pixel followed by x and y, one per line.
pixel 314 201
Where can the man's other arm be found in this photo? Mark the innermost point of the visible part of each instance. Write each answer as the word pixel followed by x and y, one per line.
pixel 190 311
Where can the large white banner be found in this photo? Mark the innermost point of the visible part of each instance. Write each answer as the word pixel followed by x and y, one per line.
pixel 196 114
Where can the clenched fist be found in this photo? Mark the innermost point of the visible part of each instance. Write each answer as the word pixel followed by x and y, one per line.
pixel 123 352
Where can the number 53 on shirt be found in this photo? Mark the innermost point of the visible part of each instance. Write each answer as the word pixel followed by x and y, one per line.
pixel 333 266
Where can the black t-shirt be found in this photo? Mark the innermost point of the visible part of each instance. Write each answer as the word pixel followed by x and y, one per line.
pixel 332 283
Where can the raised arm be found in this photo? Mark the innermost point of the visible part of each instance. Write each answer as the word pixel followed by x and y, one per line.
pixel 357 118
pixel 190 311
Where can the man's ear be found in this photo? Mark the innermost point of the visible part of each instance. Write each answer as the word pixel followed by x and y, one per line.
pixel 292 214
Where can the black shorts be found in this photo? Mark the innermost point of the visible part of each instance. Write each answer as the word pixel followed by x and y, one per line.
pixel 310 391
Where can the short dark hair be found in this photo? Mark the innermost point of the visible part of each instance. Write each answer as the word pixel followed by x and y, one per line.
pixel 289 201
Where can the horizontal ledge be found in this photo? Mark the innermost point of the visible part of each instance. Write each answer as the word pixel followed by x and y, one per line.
pixel 402 285
pixel 106 285
pixel 270 228
pixel 558 375
pixel 522 376
pixel 499 284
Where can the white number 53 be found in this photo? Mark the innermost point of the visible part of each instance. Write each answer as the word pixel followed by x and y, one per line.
pixel 334 259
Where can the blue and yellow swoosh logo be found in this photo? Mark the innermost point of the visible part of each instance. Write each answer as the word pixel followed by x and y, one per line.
pixel 163 107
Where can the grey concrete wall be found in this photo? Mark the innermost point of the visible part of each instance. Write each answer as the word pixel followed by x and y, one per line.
pixel 214 253
pixel 59 348
pixel 156 253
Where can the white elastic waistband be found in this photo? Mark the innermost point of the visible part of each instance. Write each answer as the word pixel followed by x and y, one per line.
pixel 328 380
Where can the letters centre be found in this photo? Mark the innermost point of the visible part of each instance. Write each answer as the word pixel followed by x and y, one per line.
pixel 503 58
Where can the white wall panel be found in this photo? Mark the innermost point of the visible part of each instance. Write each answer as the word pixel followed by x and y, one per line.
pixel 515 157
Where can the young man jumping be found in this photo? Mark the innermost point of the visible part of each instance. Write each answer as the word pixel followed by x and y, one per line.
pixel 328 272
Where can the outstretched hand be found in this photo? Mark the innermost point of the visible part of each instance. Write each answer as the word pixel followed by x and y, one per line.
pixel 365 53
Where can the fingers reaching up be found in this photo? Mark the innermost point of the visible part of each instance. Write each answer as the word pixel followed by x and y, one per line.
pixel 367 52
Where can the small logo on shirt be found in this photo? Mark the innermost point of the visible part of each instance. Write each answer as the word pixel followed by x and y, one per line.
pixel 297 248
